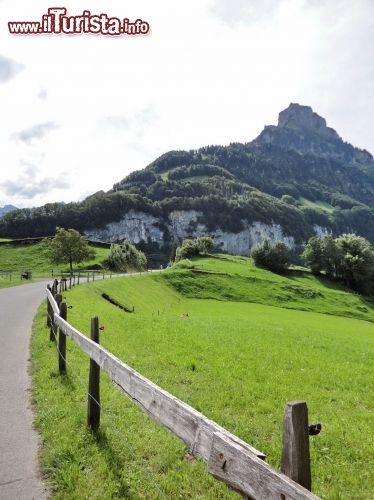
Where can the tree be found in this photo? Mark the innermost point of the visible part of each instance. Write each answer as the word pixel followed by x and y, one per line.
pixel 187 250
pixel 357 261
pixel 191 248
pixel 313 254
pixel 124 257
pixel 331 257
pixel 68 246
pixel 204 244
pixel 349 258
pixel 273 257
pixel 290 200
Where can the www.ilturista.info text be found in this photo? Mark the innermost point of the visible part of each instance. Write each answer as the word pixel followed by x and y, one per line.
pixel 57 22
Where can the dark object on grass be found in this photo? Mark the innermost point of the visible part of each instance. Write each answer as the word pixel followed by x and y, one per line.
pixel 117 304
pixel 314 429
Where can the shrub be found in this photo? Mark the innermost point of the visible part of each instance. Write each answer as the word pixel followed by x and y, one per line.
pixel 124 257
pixel 191 248
pixel 273 257
pixel 187 250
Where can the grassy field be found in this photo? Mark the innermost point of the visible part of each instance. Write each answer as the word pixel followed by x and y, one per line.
pixel 238 357
pixel 322 205
pixel 33 257
pixel 237 279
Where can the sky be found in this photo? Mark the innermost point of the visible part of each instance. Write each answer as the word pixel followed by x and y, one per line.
pixel 79 112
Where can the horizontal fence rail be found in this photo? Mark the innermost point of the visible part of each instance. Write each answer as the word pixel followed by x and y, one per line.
pixel 229 458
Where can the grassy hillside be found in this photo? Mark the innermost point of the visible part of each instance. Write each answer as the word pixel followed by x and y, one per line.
pixel 33 257
pixel 238 356
pixel 231 278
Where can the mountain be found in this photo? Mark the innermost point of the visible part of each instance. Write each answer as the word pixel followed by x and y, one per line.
pixel 7 208
pixel 296 179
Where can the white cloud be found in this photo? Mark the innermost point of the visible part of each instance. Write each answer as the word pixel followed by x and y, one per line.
pixel 29 185
pixel 242 11
pixel 209 72
pixel 34 133
pixel 8 69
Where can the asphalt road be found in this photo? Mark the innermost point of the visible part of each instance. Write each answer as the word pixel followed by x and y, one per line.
pixel 19 475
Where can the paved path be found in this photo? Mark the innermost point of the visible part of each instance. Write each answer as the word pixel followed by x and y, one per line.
pixel 19 476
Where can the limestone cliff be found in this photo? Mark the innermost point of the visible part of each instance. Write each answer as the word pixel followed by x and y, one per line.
pixel 138 227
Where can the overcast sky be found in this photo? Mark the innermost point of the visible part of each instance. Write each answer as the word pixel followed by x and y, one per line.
pixel 79 112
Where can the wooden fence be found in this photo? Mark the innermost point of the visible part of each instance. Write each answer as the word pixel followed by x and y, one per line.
pixel 68 280
pixel 6 275
pixel 229 459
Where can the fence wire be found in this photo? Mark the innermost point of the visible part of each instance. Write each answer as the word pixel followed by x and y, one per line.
pixel 117 431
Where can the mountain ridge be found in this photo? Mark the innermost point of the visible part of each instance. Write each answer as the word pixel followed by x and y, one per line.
pixel 296 179
pixel 7 208
pixel 303 130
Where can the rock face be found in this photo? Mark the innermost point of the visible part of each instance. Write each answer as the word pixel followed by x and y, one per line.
pixel 301 129
pixel 137 227
pixel 321 232
pixel 303 117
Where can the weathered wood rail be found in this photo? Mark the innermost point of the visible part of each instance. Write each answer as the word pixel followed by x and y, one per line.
pixel 229 459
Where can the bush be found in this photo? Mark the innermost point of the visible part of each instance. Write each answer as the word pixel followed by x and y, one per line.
pixel 275 258
pixel 124 257
pixel 187 250
pixel 191 248
pixel 204 244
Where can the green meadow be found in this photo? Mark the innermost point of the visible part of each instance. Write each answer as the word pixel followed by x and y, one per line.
pixel 233 341
pixel 16 257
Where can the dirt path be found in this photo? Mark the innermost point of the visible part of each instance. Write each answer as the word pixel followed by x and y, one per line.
pixel 19 476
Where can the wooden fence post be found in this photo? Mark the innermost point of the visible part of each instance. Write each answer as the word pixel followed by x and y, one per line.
pixel 54 287
pixel 93 407
pixel 295 461
pixel 53 329
pixel 49 309
pixel 62 341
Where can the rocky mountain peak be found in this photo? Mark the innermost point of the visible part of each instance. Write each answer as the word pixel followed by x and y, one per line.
pixel 301 129
pixel 301 117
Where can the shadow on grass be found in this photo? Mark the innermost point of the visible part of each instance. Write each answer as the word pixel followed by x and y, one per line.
pixel 68 383
pixel 114 462
pixel 367 302
pixel 295 274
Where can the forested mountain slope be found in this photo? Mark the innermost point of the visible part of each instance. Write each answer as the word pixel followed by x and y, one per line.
pixel 297 178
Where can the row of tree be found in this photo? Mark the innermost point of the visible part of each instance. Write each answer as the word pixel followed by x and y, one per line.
pixel 68 246
pixel 348 258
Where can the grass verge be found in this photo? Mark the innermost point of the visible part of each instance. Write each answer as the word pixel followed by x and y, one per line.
pixel 237 362
pixel 33 257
